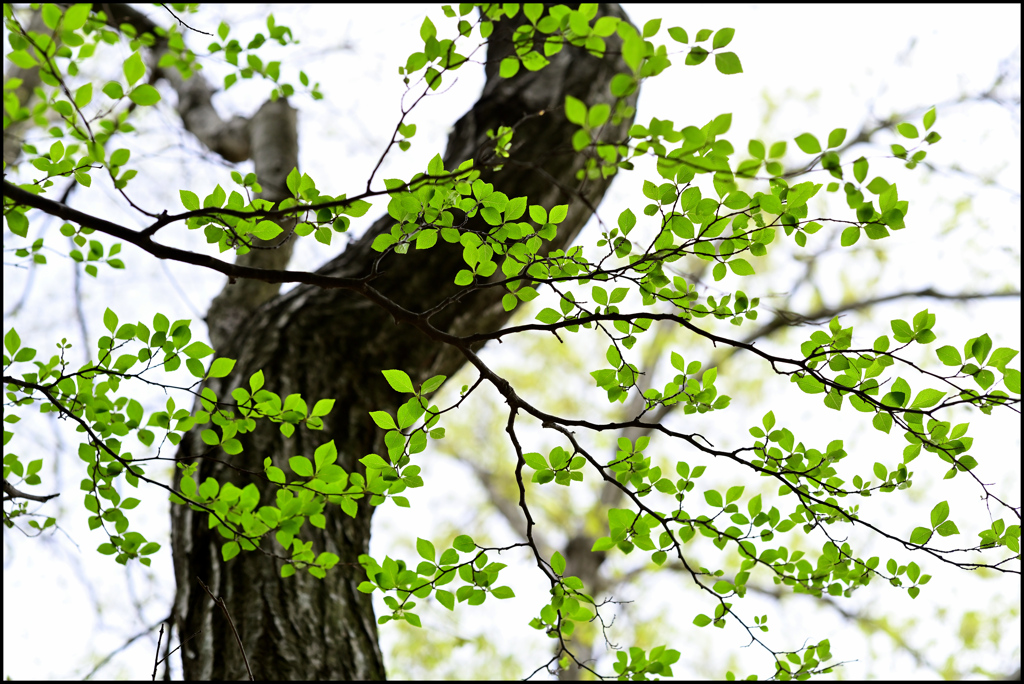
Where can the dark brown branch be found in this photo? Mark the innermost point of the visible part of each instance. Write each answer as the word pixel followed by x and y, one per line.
pixel 156 652
pixel 144 242
pixel 11 492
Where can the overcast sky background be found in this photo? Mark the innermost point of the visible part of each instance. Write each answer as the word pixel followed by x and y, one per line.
pixel 806 69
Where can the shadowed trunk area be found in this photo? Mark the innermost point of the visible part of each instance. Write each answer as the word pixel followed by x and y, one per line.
pixel 334 343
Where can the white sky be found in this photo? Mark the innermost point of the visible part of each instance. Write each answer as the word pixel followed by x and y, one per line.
pixel 817 68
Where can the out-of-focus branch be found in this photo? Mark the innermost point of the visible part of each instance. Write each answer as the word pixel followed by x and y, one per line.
pixel 876 125
pixel 857 617
pixel 823 314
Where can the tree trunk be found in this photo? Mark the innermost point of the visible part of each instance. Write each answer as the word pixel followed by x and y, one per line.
pixel 334 343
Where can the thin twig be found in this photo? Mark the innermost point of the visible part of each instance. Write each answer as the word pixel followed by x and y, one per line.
pixel 156 652
pixel 224 607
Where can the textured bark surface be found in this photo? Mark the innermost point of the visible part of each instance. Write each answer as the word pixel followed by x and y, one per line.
pixel 334 343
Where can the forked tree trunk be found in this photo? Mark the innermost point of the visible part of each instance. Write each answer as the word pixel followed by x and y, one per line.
pixel 333 343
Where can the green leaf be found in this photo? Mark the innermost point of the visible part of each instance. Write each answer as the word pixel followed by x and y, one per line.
pixel 445 598
pixel 383 420
pixel 733 493
pixel 722 38
pixel 939 513
pixel 860 169
pixel 882 422
pixel 197 350
pixel 929 118
pixel 12 342
pixel 808 143
pixel 267 230
pixel 558 563
pixel 509 67
pixel 920 535
pixel 134 68
pixel 75 16
pixel 697 55
pixel 1011 377
pixel 948 355
pixel 727 63
pixel 1000 357
pixel 425 549
pixel 850 236
pixel 535 460
pixel 678 35
pixel 598 114
pixel 189 200
pixel 633 47
pixel 83 95
pixel 145 95
pixel 230 550
pixel 901 329
pixel 880 472
pixel 980 347
pixel 907 130
pixel 538 214
pixel 926 398
pixel 605 26
pixel 575 110
pixel 549 316
pixel 741 267
pixel 503 593
pixel 56 151
pixel 399 380
pixel 464 543
pixel 754 505
pixel 120 157
pixel 651 27
pixel 322 408
pixel 427 30
pixel 301 466
pixel 221 367
pixel 836 137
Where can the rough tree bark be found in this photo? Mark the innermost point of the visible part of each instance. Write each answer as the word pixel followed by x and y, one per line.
pixel 333 343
